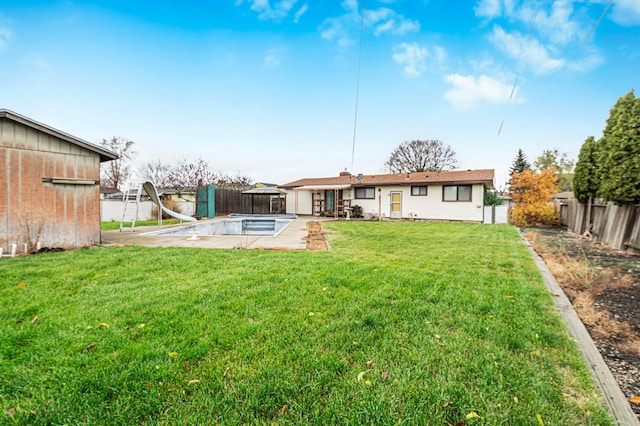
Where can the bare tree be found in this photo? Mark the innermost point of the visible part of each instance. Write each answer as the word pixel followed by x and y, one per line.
pixel 158 172
pixel 190 174
pixel 237 180
pixel 115 172
pixel 421 156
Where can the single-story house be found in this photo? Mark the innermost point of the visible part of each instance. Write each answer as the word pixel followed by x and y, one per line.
pixel 49 186
pixel 449 195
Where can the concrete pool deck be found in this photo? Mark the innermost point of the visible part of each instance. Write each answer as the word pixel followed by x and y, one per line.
pixel 290 238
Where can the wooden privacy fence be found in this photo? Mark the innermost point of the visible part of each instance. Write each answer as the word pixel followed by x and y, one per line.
pixel 232 201
pixel 614 225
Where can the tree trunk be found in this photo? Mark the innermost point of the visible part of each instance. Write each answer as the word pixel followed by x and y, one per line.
pixel 587 231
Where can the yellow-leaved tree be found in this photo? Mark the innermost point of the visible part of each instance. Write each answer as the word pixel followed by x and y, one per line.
pixel 531 193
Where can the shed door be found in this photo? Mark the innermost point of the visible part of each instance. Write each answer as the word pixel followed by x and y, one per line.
pixel 396 205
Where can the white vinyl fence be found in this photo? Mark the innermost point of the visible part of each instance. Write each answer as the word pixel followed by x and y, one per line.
pixel 111 210
pixel 496 214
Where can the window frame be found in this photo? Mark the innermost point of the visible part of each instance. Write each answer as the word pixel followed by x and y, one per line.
pixel 426 190
pixel 358 189
pixel 457 200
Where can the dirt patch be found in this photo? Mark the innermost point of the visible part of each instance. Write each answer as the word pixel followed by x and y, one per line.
pixel 315 238
pixel 604 288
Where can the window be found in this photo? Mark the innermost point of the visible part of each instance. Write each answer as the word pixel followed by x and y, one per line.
pixel 456 193
pixel 366 192
pixel 419 190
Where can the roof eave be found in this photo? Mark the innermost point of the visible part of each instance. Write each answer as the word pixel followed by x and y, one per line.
pixel 105 154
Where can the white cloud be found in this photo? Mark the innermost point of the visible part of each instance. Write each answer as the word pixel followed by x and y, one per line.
pixel 440 54
pixel 489 8
pixel 334 29
pixel 626 12
pixel 351 6
pixel 413 58
pixel 273 58
pixel 5 37
pixel 526 50
pixel 549 36
pixel 39 62
pixel 558 22
pixel 559 25
pixel 384 20
pixel 588 62
pixel 381 20
pixel 468 91
pixel 494 8
pixel 300 12
pixel 268 11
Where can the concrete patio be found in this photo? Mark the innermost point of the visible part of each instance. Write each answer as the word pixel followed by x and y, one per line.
pixel 290 238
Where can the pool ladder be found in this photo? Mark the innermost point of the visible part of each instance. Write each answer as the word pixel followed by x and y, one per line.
pixel 131 202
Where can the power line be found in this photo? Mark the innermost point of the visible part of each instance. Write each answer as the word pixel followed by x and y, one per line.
pixel 593 29
pixel 513 89
pixel 515 82
pixel 597 23
pixel 355 118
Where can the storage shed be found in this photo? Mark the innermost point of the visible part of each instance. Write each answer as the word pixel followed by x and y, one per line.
pixel 49 186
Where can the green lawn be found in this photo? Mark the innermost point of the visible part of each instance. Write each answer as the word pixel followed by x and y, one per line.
pixel 113 225
pixel 401 323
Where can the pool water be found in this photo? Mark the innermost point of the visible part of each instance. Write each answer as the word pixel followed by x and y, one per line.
pixel 236 225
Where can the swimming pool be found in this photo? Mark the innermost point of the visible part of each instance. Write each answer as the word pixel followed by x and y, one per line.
pixel 270 225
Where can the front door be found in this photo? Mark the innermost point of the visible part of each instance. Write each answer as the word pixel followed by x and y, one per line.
pixel 396 205
pixel 329 199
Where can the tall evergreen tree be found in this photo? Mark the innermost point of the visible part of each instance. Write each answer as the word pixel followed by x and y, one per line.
pixel 586 182
pixel 619 152
pixel 520 164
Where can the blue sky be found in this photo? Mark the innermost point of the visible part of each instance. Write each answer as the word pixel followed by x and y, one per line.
pixel 267 88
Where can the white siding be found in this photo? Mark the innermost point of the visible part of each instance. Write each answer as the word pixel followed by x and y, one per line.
pixel 433 207
pixel 429 207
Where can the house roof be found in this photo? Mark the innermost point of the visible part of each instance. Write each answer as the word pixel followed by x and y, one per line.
pixel 323 187
pixel 105 154
pixel 264 191
pixel 484 176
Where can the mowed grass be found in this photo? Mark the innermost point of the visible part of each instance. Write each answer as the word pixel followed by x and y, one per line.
pixel 401 323
pixel 113 225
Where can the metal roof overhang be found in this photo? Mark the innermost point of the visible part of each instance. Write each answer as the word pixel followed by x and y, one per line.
pixel 263 191
pixel 321 187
